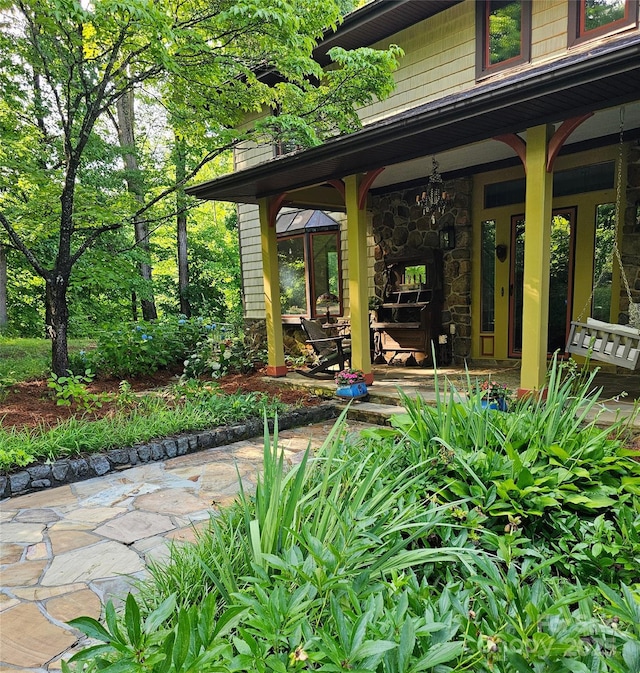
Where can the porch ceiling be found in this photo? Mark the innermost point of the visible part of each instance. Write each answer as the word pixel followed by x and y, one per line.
pixel 600 79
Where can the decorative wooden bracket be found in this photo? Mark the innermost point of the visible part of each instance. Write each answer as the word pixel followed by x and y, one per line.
pixel 556 142
pixel 365 185
pixel 339 185
pixel 274 207
pixel 560 136
pixel 516 143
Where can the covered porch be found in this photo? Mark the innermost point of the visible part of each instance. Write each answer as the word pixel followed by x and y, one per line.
pixel 521 123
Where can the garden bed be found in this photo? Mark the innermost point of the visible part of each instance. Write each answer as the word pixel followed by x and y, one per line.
pixel 31 404
pixel 70 453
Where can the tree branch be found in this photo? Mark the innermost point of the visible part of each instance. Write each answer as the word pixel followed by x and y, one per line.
pixel 19 245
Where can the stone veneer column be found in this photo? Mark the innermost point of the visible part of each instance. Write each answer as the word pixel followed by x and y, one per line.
pixel 400 228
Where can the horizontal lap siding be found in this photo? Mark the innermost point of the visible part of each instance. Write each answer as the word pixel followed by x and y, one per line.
pixel 439 60
pixel 549 29
pixel 251 259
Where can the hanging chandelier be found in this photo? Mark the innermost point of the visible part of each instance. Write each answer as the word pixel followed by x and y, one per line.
pixel 434 199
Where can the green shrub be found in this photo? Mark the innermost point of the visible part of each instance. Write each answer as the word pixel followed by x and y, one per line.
pixel 220 351
pixel 72 389
pixel 144 348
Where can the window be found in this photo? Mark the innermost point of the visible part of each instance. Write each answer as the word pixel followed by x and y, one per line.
pixel 592 18
pixel 503 34
pixel 487 270
pixel 309 263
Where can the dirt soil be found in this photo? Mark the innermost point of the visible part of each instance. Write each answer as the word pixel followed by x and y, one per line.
pixel 32 403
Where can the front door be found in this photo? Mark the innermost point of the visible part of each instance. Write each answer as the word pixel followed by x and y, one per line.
pixel 560 280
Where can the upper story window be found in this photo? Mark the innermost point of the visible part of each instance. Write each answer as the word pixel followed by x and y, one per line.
pixel 503 34
pixel 592 18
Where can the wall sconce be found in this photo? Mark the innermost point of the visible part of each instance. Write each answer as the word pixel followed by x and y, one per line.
pixel 501 252
pixel 447 237
pixel 435 198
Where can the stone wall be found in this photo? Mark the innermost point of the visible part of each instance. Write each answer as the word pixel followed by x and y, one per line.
pixel 400 228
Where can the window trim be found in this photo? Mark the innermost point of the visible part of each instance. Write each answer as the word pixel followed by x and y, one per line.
pixel 578 36
pixel 484 69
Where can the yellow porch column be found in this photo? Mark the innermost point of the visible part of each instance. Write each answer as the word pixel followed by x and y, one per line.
pixel 358 291
pixel 537 246
pixel 273 312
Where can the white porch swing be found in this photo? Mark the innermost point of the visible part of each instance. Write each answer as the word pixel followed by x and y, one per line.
pixel 606 342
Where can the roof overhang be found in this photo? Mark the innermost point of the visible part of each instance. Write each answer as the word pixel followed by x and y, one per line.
pixel 602 78
pixel 370 24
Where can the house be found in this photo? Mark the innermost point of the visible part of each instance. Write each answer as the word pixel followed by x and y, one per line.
pixel 529 113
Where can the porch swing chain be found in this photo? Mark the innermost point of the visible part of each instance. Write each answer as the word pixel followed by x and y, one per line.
pixel 634 309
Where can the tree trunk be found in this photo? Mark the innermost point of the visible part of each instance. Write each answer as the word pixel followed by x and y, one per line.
pixel 125 111
pixel 58 311
pixel 3 288
pixel 181 221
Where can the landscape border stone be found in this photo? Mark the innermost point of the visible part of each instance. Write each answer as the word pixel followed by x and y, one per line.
pixel 40 476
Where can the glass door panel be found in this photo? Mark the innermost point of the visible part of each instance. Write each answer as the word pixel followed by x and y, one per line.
pixel 560 280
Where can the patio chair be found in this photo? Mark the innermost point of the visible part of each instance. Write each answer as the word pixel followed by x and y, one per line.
pixel 330 350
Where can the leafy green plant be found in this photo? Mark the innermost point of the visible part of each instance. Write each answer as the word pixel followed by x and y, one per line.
pixel 150 417
pixel 72 389
pixel 146 347
pixel 6 383
pixel 220 351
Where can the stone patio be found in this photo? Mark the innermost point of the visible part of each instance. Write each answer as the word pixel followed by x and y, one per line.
pixel 66 551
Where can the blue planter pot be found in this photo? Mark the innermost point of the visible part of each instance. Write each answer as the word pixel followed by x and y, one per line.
pixel 354 391
pixel 500 404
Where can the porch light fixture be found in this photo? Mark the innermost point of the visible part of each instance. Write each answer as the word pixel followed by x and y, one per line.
pixel 435 198
pixel 447 236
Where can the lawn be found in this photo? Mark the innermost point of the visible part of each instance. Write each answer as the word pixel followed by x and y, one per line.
pixel 459 539
pixel 29 359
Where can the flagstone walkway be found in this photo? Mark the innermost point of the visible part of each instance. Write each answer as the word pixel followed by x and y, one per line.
pixel 64 552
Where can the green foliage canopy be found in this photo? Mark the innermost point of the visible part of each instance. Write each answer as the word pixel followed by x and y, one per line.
pixel 65 64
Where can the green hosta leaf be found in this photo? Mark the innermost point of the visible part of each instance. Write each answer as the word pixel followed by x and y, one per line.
pixel 371 648
pixel 525 478
pixel 592 502
pixel 519 663
pixel 558 451
pixel 631 484
pixel 631 655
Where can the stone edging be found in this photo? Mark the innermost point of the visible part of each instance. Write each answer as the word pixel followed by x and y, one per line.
pixel 68 470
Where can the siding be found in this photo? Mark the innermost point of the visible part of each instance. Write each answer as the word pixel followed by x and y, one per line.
pixel 439 60
pixel 251 260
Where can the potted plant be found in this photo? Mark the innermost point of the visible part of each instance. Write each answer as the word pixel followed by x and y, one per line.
pixel 494 395
pixel 350 384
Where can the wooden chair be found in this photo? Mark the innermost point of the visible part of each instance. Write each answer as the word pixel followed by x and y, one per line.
pixel 330 350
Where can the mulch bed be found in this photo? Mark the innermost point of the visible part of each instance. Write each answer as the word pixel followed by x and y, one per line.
pixel 33 404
